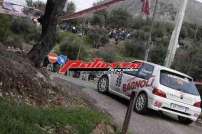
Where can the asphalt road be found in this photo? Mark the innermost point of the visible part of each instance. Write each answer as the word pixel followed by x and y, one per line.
pixel 153 123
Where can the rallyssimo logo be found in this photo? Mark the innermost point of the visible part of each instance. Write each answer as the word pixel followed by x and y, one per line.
pixel 97 65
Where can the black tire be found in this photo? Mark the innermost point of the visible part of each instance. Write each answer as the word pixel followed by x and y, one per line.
pixel 184 120
pixel 141 107
pixel 105 87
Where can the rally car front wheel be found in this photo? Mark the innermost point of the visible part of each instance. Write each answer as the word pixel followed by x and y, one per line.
pixel 103 84
pixel 141 104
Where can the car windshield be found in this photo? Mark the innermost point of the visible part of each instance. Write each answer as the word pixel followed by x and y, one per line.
pixel 178 82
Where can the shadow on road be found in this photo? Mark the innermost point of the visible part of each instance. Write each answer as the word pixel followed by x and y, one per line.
pixel 150 114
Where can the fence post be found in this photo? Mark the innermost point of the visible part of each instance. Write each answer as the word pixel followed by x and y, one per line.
pixel 128 114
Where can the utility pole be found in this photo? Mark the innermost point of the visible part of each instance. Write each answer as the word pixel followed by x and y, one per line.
pixel 172 48
pixel 149 42
pixel 128 114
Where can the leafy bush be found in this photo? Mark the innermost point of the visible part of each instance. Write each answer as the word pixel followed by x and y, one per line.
pixel 107 56
pixel 69 44
pixel 98 37
pixel 138 23
pixel 119 18
pixel 26 28
pixel 14 31
pixel 5 23
pixel 135 49
pixel 188 60
pixel 158 54
pixel 188 56
pixel 98 20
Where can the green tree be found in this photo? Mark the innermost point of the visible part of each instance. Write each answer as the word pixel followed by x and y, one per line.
pixel 49 21
pixel 119 18
pixel 99 18
pixel 39 5
pixel 108 56
pixel 5 23
pixel 188 56
pixel 69 44
pixel 158 54
pixel 188 60
pixel 71 7
pixel 98 37
pixel 29 3
pixel 134 48
pixel 25 28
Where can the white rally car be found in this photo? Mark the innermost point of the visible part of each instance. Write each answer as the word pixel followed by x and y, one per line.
pixel 158 88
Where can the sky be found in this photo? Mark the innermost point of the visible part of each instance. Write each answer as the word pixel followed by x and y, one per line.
pixel 199 0
pixel 81 4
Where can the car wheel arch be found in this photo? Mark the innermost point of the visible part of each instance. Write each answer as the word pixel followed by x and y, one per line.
pixel 142 91
pixel 145 92
pixel 145 108
pixel 106 76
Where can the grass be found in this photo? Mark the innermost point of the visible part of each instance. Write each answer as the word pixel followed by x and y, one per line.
pixel 22 119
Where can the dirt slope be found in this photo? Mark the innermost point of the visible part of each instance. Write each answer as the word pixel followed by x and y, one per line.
pixel 23 82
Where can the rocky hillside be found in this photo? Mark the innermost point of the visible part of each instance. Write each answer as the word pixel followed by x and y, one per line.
pixel 167 9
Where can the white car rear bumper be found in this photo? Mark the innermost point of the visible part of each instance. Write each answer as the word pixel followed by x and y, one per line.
pixel 163 104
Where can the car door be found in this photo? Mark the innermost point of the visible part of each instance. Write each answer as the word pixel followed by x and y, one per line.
pixel 137 79
pixel 119 78
pixel 116 80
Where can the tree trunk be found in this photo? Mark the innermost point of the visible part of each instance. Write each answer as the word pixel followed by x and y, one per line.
pixel 49 20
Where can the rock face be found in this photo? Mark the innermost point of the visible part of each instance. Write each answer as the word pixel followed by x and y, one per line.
pixel 167 9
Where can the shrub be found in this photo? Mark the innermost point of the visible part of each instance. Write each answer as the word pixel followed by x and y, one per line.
pixel 69 44
pixel 99 18
pixel 119 18
pixel 107 56
pixel 134 49
pixel 98 37
pixel 5 23
pixel 25 28
pixel 158 54
pixel 17 30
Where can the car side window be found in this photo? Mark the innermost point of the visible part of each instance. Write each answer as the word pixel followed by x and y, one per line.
pixel 133 73
pixel 145 72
